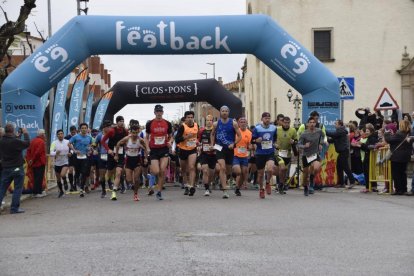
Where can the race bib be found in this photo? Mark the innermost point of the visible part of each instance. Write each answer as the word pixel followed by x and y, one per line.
pixel 132 152
pixel 192 143
pixel 311 158
pixel 206 147
pixel 218 147
pixel 104 157
pixel 81 156
pixel 283 153
pixel 159 140
pixel 266 144
pixel 242 150
pixel 121 150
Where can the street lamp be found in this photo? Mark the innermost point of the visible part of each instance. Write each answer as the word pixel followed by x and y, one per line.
pixel 296 105
pixel 204 74
pixel 214 68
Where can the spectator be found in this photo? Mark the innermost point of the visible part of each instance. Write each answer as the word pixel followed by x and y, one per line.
pixel 11 154
pixel 379 119
pixel 36 160
pixel 400 145
pixel 365 116
pixel 356 158
pixel 367 147
pixel 341 142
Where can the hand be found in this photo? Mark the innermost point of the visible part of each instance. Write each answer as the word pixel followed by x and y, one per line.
pixel 24 131
pixel 169 144
pixel 116 157
pixel 111 152
pixel 231 146
pixel 57 152
pixel 259 140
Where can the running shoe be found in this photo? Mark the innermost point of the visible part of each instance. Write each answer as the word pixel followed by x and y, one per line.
pixel 237 192
pixel 159 196
pixel 186 191
pixel 262 193
pixel 311 189
pixel 123 189
pixel 103 194
pixel 65 186
pixel 192 191
pixel 81 193
pixel 87 189
pixel 207 193
pixel 306 190
pixel 113 197
pixel 61 193
pixel 281 188
pixel 150 192
pixel 268 189
pixel 225 194
pixel 136 198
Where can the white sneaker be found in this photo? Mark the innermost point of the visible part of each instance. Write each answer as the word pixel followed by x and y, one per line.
pixel 43 194
pixel 207 193
pixel 225 194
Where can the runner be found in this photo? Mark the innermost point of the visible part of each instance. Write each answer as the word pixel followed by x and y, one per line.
pixel 81 144
pixel 187 142
pixel 311 141
pixel 60 150
pixel 72 161
pixel 133 145
pixel 241 156
pixel 114 135
pixel 286 141
pixel 264 135
pixel 158 139
pixel 103 157
pixel 208 155
pixel 224 136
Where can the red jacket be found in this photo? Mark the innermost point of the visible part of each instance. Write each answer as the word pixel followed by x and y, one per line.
pixel 37 152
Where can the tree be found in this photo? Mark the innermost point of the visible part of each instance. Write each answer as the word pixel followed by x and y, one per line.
pixel 8 31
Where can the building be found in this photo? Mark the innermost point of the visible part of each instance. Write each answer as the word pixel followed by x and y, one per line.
pixel 361 39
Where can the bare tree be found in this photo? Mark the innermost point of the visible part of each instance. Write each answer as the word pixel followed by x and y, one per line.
pixel 8 31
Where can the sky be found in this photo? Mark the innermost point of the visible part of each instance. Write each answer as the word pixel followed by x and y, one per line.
pixel 144 68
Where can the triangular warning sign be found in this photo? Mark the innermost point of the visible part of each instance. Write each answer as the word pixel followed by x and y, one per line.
pixel 344 90
pixel 386 101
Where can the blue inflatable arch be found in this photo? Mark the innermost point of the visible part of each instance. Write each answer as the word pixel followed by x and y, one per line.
pixel 259 35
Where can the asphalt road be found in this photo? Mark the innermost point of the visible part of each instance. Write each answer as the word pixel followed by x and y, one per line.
pixel 329 233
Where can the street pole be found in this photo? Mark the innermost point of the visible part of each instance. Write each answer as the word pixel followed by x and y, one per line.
pixel 78 6
pixel 214 68
pixel 52 90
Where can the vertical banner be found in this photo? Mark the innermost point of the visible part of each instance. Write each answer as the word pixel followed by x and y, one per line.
pixel 76 97
pixel 65 122
pixel 89 103
pixel 59 106
pixel 23 110
pixel 43 101
pixel 101 109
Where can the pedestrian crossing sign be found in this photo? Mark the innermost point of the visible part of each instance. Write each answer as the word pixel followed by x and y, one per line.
pixel 346 88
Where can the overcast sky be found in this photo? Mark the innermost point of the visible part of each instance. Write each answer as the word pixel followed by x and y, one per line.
pixel 144 68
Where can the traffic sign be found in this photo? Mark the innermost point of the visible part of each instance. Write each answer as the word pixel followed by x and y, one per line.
pixel 386 101
pixel 346 88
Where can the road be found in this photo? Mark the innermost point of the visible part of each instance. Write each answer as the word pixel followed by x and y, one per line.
pixel 329 233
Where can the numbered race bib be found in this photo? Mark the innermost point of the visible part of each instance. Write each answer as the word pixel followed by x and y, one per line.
pixel 311 158
pixel 104 157
pixel 121 151
pixel 132 152
pixel 192 143
pixel 283 153
pixel 81 156
pixel 266 144
pixel 206 147
pixel 218 147
pixel 159 140
pixel 242 150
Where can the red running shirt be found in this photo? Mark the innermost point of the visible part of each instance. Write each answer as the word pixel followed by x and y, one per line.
pixel 159 130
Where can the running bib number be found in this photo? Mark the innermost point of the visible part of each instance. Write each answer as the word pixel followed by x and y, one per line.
pixel 311 158
pixel 81 156
pixel 266 144
pixel 242 150
pixel 206 147
pixel 218 147
pixel 159 140
pixel 283 153
pixel 104 157
pixel 132 152
pixel 192 143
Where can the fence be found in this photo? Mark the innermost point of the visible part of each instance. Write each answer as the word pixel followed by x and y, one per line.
pixel 380 169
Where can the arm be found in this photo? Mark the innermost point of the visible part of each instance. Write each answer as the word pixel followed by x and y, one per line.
pixel 238 134
pixel 53 149
pixel 213 134
pixel 110 134
pixel 120 143
pixel 179 136
pixel 25 143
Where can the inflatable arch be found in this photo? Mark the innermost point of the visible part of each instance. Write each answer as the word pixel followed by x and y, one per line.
pixel 259 35
pixel 123 93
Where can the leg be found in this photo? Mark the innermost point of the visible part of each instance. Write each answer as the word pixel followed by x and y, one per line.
pixel 18 177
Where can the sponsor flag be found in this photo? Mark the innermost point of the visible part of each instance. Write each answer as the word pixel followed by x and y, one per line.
pixel 101 109
pixel 59 106
pixel 43 101
pixel 89 103
pixel 76 97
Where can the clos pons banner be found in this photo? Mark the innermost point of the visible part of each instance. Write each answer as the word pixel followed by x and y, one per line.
pixel 204 90
pixel 173 35
pixel 23 110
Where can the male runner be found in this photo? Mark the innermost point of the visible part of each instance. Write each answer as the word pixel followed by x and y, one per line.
pixel 208 155
pixel 72 160
pixel 103 157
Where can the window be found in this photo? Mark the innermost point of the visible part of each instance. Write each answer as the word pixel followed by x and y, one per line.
pixel 322 44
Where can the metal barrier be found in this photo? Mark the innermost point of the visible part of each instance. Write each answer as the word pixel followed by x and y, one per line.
pixel 380 169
